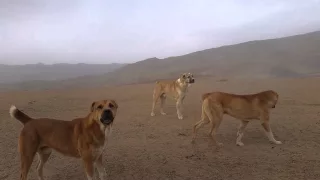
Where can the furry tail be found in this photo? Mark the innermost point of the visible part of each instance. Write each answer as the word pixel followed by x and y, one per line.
pixel 19 115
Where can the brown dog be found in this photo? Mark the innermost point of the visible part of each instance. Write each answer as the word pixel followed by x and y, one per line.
pixel 244 107
pixel 178 88
pixel 83 138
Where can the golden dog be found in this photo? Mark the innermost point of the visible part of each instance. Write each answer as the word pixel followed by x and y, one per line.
pixel 178 88
pixel 243 107
pixel 83 138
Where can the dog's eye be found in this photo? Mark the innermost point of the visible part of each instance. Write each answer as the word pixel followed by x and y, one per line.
pixel 100 107
pixel 111 105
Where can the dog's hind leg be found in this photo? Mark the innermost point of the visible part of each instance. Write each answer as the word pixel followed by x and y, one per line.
pixel 44 154
pixel 28 144
pixel 203 121
pixel 197 126
pixel 163 101
pixel 240 132
pixel 215 116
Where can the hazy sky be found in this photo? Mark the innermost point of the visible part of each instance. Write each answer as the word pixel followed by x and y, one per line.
pixel 104 31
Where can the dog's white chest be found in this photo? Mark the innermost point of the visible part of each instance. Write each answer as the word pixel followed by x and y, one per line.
pixel 99 150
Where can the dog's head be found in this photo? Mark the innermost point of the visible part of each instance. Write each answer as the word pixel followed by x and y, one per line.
pixel 271 98
pixel 104 111
pixel 187 78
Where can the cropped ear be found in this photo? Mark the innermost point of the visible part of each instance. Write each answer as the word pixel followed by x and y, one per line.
pixel 92 106
pixel 115 103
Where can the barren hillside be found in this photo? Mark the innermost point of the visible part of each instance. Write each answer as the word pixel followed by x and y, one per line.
pixel 284 57
pixel 293 56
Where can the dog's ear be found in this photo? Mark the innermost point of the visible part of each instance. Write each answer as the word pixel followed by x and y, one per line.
pixel 183 75
pixel 92 106
pixel 114 103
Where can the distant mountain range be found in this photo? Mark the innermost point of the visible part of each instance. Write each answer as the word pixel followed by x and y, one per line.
pixel 42 72
pixel 293 56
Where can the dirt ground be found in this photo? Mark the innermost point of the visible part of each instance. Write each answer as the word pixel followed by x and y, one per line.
pixel 145 147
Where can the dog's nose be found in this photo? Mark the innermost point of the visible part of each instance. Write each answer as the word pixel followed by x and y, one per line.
pixel 107 114
pixel 107 111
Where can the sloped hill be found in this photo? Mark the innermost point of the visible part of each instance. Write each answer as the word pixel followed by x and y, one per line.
pixel 293 56
pixel 283 57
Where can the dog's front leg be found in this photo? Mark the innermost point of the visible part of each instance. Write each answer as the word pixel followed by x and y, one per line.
pixel 266 126
pixel 268 131
pixel 89 166
pixel 178 106
pixel 100 168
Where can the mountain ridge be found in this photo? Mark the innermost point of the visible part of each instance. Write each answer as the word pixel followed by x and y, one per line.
pixel 51 72
pixel 291 56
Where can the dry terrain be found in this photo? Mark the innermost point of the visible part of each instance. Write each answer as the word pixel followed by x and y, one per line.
pixel 144 147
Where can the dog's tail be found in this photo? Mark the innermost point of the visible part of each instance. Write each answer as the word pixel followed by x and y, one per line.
pixel 19 115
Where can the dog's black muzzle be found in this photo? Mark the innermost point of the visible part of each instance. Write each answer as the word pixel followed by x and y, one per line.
pixel 274 106
pixel 107 117
pixel 192 80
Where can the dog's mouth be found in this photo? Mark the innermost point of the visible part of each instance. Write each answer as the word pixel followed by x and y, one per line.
pixel 106 121
pixel 107 117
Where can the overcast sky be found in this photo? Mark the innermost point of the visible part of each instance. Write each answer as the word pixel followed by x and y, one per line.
pixel 103 31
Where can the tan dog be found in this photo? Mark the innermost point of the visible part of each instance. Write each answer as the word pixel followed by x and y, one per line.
pixel 177 88
pixel 83 138
pixel 243 107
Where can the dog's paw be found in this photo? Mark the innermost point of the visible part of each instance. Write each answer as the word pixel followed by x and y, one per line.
pixel 180 117
pixel 278 142
pixel 239 144
pixel 163 113
pixel 153 114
